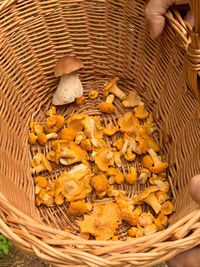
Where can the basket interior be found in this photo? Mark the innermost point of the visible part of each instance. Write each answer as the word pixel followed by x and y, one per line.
pixel 112 39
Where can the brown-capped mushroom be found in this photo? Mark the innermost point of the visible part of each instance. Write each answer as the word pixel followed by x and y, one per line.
pixel 69 87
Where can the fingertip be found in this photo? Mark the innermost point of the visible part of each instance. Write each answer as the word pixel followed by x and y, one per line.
pixel 156 26
pixel 194 188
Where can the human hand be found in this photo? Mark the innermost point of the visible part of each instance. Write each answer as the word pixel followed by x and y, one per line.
pixel 155 11
pixel 191 257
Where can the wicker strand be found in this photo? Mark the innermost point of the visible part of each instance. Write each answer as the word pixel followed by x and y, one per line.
pixel 112 39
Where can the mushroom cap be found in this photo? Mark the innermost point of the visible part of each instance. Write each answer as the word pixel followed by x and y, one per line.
pixel 160 167
pixel 47 164
pixel 146 193
pixel 109 85
pixel 132 100
pixel 66 65
pixel 103 221
pixel 106 107
pixel 104 158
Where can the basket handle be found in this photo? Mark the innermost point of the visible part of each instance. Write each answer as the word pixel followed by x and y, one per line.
pixel 193 52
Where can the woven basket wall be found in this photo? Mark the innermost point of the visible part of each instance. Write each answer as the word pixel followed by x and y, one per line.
pixel 112 39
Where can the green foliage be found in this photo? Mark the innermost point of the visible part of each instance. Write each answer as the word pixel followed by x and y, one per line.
pixel 5 246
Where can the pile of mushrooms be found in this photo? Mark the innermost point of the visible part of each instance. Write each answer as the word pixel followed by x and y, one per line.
pixel 96 167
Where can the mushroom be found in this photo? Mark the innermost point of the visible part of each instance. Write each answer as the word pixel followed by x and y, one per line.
pixel 148 196
pixel 143 145
pixel 78 122
pixel 74 185
pixel 80 136
pixel 145 219
pixel 130 146
pixel 129 124
pixel 68 134
pixel 107 107
pixel 141 112
pixel 42 138
pixel 167 208
pixel 149 125
pixel 54 123
pixel 147 161
pixel 111 192
pixel 40 163
pixel 103 221
pixel 126 207
pixel 80 100
pixel 163 186
pixel 100 183
pixel 159 166
pixel 41 181
pixel 132 231
pixel 32 138
pixel 161 196
pixel 162 218
pixel 86 145
pixel 36 127
pixel 112 88
pixel 104 158
pixel 80 155
pixel 131 177
pixel 44 198
pixel 93 94
pixel 144 175
pixel 110 129
pixel 158 224
pixel 129 155
pixel 132 100
pixel 60 150
pixel 77 208
pixel 151 143
pixel 69 87
pixel 119 143
pixel 51 111
pixel 118 176
pixel 117 158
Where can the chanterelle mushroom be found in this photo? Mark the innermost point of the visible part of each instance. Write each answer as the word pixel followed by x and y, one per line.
pixel 104 158
pixel 103 221
pixel 112 87
pixel 132 100
pixel 40 163
pixel 69 87
pixel 148 196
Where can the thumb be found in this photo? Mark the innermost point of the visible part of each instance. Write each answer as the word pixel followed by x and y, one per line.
pixel 154 14
pixel 194 188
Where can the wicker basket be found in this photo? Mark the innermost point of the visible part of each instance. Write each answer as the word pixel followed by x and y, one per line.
pixel 112 39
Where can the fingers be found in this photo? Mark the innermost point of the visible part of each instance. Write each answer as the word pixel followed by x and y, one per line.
pixel 189 258
pixel 190 18
pixel 154 14
pixel 194 188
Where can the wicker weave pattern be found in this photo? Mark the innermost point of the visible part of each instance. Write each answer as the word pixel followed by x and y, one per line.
pixel 112 39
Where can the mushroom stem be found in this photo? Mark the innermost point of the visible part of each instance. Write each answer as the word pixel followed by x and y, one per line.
pixel 110 98
pixel 152 201
pixel 69 88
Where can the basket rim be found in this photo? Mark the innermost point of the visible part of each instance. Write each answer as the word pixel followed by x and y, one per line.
pixel 19 228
